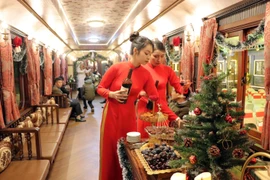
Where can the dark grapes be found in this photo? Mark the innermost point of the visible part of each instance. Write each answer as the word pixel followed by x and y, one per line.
pixel 159 156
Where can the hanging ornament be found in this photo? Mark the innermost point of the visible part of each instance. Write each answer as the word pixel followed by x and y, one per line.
pixel 197 111
pixel 17 42
pixel 238 153
pixel 242 132
pixel 228 118
pixel 206 78
pixel 188 142
pixel 214 151
pixel 211 133
pixel 192 159
pixel 253 160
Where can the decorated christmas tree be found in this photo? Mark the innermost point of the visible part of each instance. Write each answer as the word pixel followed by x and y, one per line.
pixel 212 139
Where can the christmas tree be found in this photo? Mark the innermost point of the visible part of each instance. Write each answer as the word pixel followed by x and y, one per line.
pixel 212 139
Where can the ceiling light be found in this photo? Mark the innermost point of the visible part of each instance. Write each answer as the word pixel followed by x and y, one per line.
pixel 96 23
pixel 93 39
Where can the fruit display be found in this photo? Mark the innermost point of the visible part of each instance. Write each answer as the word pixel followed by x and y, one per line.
pixel 149 117
pixel 158 156
pixel 161 132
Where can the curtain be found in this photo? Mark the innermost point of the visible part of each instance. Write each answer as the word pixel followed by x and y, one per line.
pixel 48 83
pixel 63 69
pixel 7 74
pixel 57 66
pixel 207 44
pixel 266 121
pixel 187 61
pixel 33 72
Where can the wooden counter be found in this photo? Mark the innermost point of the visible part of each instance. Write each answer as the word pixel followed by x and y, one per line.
pixel 138 170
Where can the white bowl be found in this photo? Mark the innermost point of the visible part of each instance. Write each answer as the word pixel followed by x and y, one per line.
pixel 133 137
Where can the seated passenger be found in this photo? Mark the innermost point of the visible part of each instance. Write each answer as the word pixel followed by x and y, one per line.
pixel 74 103
pixel 63 88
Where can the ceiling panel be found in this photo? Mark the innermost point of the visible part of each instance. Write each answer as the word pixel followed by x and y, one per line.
pixel 113 12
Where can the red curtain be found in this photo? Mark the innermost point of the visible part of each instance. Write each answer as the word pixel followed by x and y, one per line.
pixel 2 123
pixel 266 122
pixel 7 74
pixel 207 44
pixel 48 83
pixel 64 69
pixel 57 66
pixel 187 61
pixel 33 72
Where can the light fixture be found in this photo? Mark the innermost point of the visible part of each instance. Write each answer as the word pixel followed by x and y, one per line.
pixel 5 33
pixel 96 23
pixel 93 39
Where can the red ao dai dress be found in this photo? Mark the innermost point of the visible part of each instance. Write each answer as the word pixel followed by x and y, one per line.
pixel 118 119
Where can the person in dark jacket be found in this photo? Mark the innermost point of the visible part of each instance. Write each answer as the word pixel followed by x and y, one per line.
pixel 74 103
pixel 88 93
pixel 63 88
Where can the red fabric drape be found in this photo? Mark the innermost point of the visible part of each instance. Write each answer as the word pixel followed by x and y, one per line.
pixel 47 72
pixel 7 74
pixel 187 61
pixel 207 44
pixel 2 123
pixel 266 122
pixel 63 69
pixel 33 72
pixel 57 66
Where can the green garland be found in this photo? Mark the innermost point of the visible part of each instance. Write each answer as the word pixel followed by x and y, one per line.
pixel 251 39
pixel 24 64
pixel 92 56
pixel 123 160
pixel 18 56
pixel 41 59
pixel 172 56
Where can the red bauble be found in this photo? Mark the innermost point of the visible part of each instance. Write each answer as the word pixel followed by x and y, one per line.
pixel 253 161
pixel 197 111
pixel 228 118
pixel 206 78
pixel 192 159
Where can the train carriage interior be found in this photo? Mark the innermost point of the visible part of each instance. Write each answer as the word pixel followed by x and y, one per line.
pixel 41 134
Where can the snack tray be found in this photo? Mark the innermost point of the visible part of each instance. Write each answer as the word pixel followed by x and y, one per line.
pixel 146 166
pixel 162 136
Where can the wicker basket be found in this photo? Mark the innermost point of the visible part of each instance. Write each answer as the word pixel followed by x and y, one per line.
pixel 146 166
pixel 151 116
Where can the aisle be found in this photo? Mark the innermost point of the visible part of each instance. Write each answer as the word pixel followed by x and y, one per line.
pixel 78 155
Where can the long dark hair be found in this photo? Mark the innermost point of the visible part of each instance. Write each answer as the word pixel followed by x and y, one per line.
pixel 139 42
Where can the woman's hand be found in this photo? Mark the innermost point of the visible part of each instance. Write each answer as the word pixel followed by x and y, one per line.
pixel 119 96
pixel 142 93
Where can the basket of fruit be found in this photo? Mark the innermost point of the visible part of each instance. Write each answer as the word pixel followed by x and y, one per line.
pixel 150 115
pixel 161 132
pixel 155 158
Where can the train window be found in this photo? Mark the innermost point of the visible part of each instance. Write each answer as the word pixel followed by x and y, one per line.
pixel 255 93
pixel 19 85
pixel 231 65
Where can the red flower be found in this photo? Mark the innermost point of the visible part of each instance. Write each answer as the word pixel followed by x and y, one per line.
pixel 17 41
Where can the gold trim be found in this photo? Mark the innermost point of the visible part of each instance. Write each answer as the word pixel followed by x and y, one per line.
pixel 104 115
pixel 245 166
pixel 173 5
pixel 32 11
